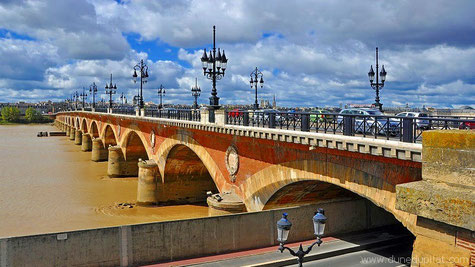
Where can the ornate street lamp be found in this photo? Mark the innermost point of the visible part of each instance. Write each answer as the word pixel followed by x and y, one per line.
pixel 195 92
pixel 76 97
pixel 93 91
pixel 255 75
pixel 283 229
pixel 143 69
pixel 110 90
pixel 161 92
pixel 377 85
pixel 214 67
pixel 83 95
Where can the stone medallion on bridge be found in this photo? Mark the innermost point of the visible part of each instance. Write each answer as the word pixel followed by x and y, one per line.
pixel 232 162
pixel 152 139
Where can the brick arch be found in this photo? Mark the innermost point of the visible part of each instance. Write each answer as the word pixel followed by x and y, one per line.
pixel 126 138
pixel 109 137
pixel 84 127
pixel 260 187
pixel 94 129
pixel 169 143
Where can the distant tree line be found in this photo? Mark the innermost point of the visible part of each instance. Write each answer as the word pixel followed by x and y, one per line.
pixel 12 115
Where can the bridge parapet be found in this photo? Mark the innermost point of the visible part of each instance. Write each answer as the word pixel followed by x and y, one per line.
pixel 377 147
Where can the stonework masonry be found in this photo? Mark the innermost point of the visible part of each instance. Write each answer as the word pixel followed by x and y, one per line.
pixel 429 188
pixel 444 201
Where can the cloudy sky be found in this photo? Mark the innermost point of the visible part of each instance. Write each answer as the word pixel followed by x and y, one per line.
pixel 312 53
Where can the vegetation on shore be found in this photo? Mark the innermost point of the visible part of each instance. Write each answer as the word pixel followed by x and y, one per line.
pixel 11 115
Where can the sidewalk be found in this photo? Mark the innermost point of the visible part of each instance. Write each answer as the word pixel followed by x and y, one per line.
pixel 270 256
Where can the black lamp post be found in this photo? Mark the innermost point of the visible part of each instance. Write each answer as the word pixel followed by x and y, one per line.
pixel 143 69
pixel 214 68
pixel 93 91
pixel 195 92
pixel 161 92
pixel 255 75
pixel 76 97
pixel 377 85
pixel 69 101
pixel 111 90
pixel 83 95
pixel 283 229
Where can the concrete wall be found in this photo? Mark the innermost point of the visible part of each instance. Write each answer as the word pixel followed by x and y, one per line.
pixel 166 241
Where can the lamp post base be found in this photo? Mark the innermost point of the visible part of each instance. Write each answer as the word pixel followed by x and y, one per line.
pixel 379 106
pixel 214 102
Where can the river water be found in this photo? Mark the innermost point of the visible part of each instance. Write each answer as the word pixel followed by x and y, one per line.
pixel 47 184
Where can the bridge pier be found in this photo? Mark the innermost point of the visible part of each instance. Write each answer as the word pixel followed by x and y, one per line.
pixel 86 142
pixel 68 130
pixel 99 152
pixel 444 201
pixel 225 203
pixel 78 138
pixel 72 134
pixel 117 165
pixel 147 183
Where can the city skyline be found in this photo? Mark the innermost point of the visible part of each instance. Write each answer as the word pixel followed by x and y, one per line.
pixel 311 53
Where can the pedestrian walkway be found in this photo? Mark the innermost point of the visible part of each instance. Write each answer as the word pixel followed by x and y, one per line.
pixel 270 256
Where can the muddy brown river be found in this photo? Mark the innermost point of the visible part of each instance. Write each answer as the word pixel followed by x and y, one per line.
pixel 47 184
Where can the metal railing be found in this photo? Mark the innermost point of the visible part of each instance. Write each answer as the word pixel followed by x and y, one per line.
pixel 125 111
pixel 176 114
pixel 100 109
pixel 406 129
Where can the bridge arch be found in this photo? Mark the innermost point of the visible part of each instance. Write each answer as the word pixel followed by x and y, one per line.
pixel 84 126
pixel 186 179
pixel 180 140
pixel 133 148
pixel 260 188
pixel 94 129
pixel 109 136
pixel 76 124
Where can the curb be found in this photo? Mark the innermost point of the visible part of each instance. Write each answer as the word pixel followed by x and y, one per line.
pixel 329 254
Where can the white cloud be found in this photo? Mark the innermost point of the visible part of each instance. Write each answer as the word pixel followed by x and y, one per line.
pixel 312 53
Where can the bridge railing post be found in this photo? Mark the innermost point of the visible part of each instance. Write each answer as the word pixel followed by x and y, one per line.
pixel 245 119
pixel 348 125
pixel 271 120
pixel 190 115
pixel 408 130
pixel 305 124
pixel 211 118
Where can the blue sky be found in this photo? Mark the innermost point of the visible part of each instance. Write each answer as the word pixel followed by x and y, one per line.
pixel 312 53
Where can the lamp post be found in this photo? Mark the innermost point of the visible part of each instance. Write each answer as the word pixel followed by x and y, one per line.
pixel 93 91
pixel 255 75
pixel 110 90
pixel 76 97
pixel 161 92
pixel 195 92
pixel 377 85
pixel 283 229
pixel 214 68
pixel 143 69
pixel 83 95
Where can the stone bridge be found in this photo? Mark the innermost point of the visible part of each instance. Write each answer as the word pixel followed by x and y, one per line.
pixel 252 168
